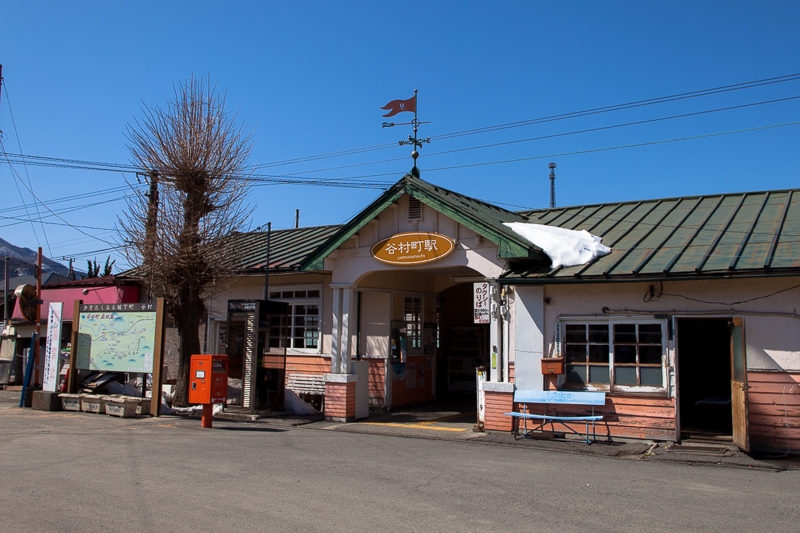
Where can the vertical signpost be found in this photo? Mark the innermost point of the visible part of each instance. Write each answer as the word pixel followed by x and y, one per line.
pixel 50 378
pixel 480 302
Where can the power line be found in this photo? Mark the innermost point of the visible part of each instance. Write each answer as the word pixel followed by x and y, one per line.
pixel 637 145
pixel 552 118
pixel 555 135
pixel 27 174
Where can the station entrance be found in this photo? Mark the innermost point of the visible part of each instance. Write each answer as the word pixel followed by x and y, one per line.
pixel 427 338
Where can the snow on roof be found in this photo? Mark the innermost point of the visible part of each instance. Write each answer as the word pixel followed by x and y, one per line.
pixel 564 247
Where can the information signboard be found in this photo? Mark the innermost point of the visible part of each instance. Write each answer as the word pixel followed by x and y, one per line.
pixel 117 337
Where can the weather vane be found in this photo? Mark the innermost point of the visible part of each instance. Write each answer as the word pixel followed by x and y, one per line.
pixel 398 106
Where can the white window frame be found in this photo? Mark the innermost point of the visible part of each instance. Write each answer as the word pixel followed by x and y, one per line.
pixel 301 301
pixel 611 321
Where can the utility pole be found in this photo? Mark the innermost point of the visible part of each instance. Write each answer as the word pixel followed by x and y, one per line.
pixel 552 167
pixel 266 266
pixel 150 229
pixel 296 218
pixel 5 294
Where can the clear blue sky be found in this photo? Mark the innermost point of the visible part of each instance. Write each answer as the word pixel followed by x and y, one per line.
pixel 311 76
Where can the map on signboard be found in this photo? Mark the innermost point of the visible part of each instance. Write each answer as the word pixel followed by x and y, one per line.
pixel 116 341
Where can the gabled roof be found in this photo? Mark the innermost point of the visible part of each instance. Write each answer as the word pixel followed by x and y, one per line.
pixel 482 218
pixel 718 235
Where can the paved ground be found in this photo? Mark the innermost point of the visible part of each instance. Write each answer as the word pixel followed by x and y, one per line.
pixel 79 471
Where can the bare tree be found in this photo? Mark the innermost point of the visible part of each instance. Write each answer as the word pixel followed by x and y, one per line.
pixel 197 153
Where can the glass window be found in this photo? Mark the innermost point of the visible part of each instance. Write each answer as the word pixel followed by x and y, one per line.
pixel 614 355
pixel 301 328
pixel 412 315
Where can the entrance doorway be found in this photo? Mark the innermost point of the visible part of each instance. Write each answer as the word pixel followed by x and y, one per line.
pixel 463 346
pixel 704 378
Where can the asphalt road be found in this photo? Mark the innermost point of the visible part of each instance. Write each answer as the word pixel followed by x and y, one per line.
pixel 84 472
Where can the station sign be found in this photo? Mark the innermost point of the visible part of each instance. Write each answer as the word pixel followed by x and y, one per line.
pixel 412 248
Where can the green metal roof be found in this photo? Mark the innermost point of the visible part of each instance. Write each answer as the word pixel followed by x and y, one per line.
pixel 718 235
pixel 288 247
pixel 482 218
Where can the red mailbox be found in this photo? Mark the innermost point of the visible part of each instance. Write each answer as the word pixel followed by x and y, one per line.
pixel 208 383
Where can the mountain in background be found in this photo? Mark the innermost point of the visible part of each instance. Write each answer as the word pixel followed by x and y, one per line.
pixel 23 260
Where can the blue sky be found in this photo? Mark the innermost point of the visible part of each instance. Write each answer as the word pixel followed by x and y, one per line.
pixel 310 77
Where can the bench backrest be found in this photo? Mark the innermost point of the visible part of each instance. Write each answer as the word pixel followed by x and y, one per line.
pixel 565 397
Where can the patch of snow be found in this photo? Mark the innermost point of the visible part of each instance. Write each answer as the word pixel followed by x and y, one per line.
pixel 295 405
pixel 564 247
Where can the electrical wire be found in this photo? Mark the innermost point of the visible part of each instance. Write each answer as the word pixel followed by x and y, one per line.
pixel 27 174
pixel 552 118
pixel 556 135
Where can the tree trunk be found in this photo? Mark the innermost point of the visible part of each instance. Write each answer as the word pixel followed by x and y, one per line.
pixel 188 325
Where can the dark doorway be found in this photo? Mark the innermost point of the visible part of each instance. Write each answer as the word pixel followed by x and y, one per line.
pixel 463 345
pixel 704 377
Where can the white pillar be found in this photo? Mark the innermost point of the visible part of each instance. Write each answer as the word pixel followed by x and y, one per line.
pixel 346 322
pixel 336 330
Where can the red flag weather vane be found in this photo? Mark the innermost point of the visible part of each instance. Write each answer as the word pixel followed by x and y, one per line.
pixel 399 106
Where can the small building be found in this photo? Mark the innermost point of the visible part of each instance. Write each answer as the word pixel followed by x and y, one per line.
pixel 689 324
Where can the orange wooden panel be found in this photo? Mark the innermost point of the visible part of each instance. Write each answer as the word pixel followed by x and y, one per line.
pixel 775 421
pixel 770 398
pixel 791 378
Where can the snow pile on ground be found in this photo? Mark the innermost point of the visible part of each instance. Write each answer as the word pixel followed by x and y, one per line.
pixel 295 405
pixel 191 409
pixel 564 247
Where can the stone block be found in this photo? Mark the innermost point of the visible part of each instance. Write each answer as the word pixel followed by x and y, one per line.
pixel 46 401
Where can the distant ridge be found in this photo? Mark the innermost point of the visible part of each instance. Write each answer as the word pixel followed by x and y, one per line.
pixel 22 261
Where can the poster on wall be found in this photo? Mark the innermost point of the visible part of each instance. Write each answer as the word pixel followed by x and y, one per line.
pixel 480 302
pixel 411 376
pixel 116 338
pixel 50 371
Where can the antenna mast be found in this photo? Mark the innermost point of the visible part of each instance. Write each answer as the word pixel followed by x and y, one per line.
pixel 552 167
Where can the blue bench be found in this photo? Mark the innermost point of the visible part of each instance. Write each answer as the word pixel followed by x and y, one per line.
pixel 525 397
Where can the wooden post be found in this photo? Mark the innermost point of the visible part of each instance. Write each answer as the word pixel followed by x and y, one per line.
pixel 158 360
pixel 73 358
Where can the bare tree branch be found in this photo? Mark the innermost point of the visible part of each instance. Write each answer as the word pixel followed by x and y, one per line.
pixel 198 153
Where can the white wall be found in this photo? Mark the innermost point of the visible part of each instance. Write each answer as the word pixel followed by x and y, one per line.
pixel 773 341
pixel 528 337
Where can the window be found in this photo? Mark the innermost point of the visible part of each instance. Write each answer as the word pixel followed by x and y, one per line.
pixel 615 355
pixel 412 315
pixel 301 328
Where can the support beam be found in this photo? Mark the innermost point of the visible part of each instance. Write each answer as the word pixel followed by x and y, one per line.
pixel 336 330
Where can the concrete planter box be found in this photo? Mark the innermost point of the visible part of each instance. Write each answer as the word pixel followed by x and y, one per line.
pixel 92 404
pixel 123 407
pixel 70 402
pixel 143 406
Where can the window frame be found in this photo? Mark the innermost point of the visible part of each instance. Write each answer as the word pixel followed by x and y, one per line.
pixel 298 302
pixel 612 386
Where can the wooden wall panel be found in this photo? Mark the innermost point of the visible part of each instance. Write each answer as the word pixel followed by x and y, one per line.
pixel 377 381
pixel 774 410
pixel 637 417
